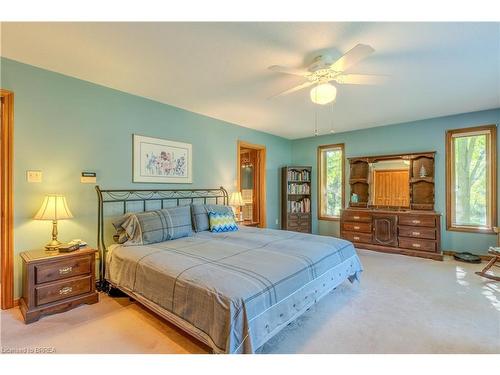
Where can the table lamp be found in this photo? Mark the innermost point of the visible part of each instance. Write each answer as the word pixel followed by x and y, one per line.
pixel 54 207
pixel 236 200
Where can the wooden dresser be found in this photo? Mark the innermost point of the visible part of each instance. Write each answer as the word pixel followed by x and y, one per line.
pixel 416 233
pixel 56 282
pixel 391 207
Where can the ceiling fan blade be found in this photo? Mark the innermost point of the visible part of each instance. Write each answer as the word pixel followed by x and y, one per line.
pixel 293 71
pixel 351 57
pixel 293 89
pixel 360 79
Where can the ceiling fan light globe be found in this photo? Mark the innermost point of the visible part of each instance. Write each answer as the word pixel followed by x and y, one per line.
pixel 323 93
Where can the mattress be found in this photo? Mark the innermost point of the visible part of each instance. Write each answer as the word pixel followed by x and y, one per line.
pixel 235 290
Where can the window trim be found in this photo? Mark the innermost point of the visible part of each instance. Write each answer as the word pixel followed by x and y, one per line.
pixel 321 148
pixel 492 129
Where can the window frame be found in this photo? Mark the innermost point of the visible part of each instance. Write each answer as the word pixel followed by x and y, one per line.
pixel 491 208
pixel 321 177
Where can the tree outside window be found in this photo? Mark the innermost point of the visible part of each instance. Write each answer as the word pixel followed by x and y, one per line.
pixel 471 159
pixel 331 176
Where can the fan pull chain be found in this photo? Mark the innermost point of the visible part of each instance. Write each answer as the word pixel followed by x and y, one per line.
pixel 316 114
pixel 332 130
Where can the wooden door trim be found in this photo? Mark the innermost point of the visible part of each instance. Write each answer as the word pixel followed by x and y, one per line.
pixel 7 200
pixel 261 149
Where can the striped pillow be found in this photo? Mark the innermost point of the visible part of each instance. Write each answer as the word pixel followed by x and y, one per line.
pixel 222 222
pixel 143 228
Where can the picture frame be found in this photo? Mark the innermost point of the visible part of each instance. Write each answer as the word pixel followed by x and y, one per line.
pixel 157 160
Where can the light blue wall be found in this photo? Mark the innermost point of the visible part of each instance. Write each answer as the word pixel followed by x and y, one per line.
pixel 64 126
pixel 425 135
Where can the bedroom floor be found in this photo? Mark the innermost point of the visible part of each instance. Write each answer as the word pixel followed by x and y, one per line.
pixel 403 305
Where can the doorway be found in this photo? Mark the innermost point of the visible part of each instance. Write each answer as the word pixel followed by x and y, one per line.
pixel 251 182
pixel 6 199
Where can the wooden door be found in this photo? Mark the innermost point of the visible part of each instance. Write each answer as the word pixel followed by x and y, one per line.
pixel 385 229
pixel 392 187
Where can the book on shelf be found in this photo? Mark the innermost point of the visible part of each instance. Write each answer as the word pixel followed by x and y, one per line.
pixel 299 175
pixel 299 188
pixel 302 206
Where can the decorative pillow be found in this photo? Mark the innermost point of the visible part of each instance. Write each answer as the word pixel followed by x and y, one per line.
pixel 143 228
pixel 222 222
pixel 127 229
pixel 199 213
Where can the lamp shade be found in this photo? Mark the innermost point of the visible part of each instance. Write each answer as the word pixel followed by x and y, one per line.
pixel 54 207
pixel 323 93
pixel 235 199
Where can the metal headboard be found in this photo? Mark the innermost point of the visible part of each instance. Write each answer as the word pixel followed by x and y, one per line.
pixel 125 196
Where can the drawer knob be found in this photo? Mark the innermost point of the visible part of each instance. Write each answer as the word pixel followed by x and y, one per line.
pixel 65 270
pixel 65 290
pixel 415 233
pixel 356 227
pixel 355 217
pixel 416 245
pixel 356 238
pixel 415 221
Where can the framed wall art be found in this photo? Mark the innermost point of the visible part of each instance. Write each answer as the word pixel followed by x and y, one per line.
pixel 161 161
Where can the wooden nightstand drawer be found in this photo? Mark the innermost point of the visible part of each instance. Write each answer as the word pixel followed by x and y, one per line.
pixel 62 289
pixel 62 269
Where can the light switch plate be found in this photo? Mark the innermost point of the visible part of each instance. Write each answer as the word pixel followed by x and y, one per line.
pixel 34 176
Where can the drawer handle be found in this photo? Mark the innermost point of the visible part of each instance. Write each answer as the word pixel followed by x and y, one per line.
pixel 415 233
pixel 356 238
pixel 416 245
pixel 355 217
pixel 356 227
pixel 65 290
pixel 415 221
pixel 65 270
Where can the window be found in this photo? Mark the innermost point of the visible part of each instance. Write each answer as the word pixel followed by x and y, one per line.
pixel 330 181
pixel 471 179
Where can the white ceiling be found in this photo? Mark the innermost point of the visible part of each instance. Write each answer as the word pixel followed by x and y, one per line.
pixel 220 69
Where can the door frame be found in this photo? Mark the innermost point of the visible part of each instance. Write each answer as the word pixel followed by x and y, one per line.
pixel 261 172
pixel 7 200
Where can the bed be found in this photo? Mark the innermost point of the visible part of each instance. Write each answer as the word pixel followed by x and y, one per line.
pixel 234 290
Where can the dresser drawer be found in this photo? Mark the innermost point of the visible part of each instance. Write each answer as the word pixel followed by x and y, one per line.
pixel 417 244
pixel 357 237
pixel 418 220
pixel 62 289
pixel 427 233
pixel 62 269
pixel 357 216
pixel 357 227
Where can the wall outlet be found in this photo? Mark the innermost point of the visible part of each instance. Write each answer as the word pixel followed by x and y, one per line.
pixel 34 176
pixel 277 221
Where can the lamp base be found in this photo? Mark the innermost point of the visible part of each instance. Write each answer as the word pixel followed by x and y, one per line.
pixel 53 245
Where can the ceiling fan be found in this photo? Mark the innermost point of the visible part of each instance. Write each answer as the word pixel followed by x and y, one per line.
pixel 324 70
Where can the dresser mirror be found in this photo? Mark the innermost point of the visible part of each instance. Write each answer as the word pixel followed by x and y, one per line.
pixel 398 182
pixel 389 182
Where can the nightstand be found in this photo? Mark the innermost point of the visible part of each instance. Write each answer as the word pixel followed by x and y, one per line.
pixel 55 282
pixel 249 223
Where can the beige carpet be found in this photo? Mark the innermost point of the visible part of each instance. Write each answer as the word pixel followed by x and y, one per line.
pixel 403 305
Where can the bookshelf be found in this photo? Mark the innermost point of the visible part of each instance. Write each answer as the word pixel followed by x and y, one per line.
pixel 296 198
